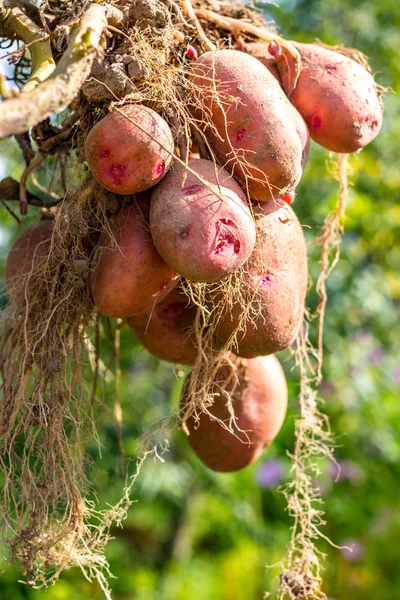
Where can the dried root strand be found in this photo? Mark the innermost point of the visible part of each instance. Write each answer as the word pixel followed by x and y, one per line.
pixel 44 416
pixel 330 241
pixel 192 18
pixel 301 576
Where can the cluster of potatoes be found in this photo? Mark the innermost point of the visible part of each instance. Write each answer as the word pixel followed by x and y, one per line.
pixel 202 220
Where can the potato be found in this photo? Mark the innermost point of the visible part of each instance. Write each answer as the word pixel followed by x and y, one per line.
pixel 258 391
pixel 260 51
pixel 304 136
pixel 203 228
pixel 275 284
pixel 26 254
pixel 127 157
pixel 337 97
pixel 128 275
pixel 250 122
pixel 165 331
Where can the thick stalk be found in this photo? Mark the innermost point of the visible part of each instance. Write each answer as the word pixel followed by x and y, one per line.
pixel 52 96
pixel 15 23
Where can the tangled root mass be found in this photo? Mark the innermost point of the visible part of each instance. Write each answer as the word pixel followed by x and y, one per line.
pixel 49 336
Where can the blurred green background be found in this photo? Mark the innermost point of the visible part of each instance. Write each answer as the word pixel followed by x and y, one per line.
pixel 197 535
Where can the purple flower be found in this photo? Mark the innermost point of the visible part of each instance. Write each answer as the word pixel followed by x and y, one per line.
pixel 270 473
pixel 396 374
pixel 352 550
pixel 376 355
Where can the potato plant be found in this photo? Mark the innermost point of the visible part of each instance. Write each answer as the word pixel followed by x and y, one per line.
pixel 183 134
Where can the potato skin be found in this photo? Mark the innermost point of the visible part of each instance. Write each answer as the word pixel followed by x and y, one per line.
pixel 122 157
pixel 165 331
pixel 259 400
pixel 257 121
pixel 130 276
pixel 27 252
pixel 260 51
pixel 277 271
pixel 200 235
pixel 336 96
pixel 304 136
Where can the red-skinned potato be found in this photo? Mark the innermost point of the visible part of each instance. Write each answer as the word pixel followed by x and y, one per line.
pixel 251 118
pixel 275 284
pixel 337 97
pixel 203 228
pixel 128 275
pixel 260 50
pixel 27 252
pixel 165 331
pixel 304 137
pixel 130 152
pixel 259 397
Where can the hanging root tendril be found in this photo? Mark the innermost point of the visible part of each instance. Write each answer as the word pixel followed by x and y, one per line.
pixel 301 577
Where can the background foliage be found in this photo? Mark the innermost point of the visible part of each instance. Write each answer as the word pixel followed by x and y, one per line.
pixel 194 534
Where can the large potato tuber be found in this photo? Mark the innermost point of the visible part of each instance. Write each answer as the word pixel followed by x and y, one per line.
pixel 248 121
pixel 129 152
pixel 260 50
pixel 258 392
pixel 128 275
pixel 337 97
pixel 165 331
pixel 275 285
pixel 202 227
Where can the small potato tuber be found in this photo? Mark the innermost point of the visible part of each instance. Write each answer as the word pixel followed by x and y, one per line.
pixel 128 275
pixel 165 331
pixel 250 397
pixel 337 97
pixel 130 150
pixel 26 254
pixel 274 287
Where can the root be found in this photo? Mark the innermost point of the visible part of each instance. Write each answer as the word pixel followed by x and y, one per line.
pixel 23 200
pixel 301 576
pixel 330 241
pixel 192 17
pixel 44 418
pixel 213 301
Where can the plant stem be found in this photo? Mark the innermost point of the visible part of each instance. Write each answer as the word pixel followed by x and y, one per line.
pixel 15 23
pixel 52 96
pixel 235 26
pixel 191 15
